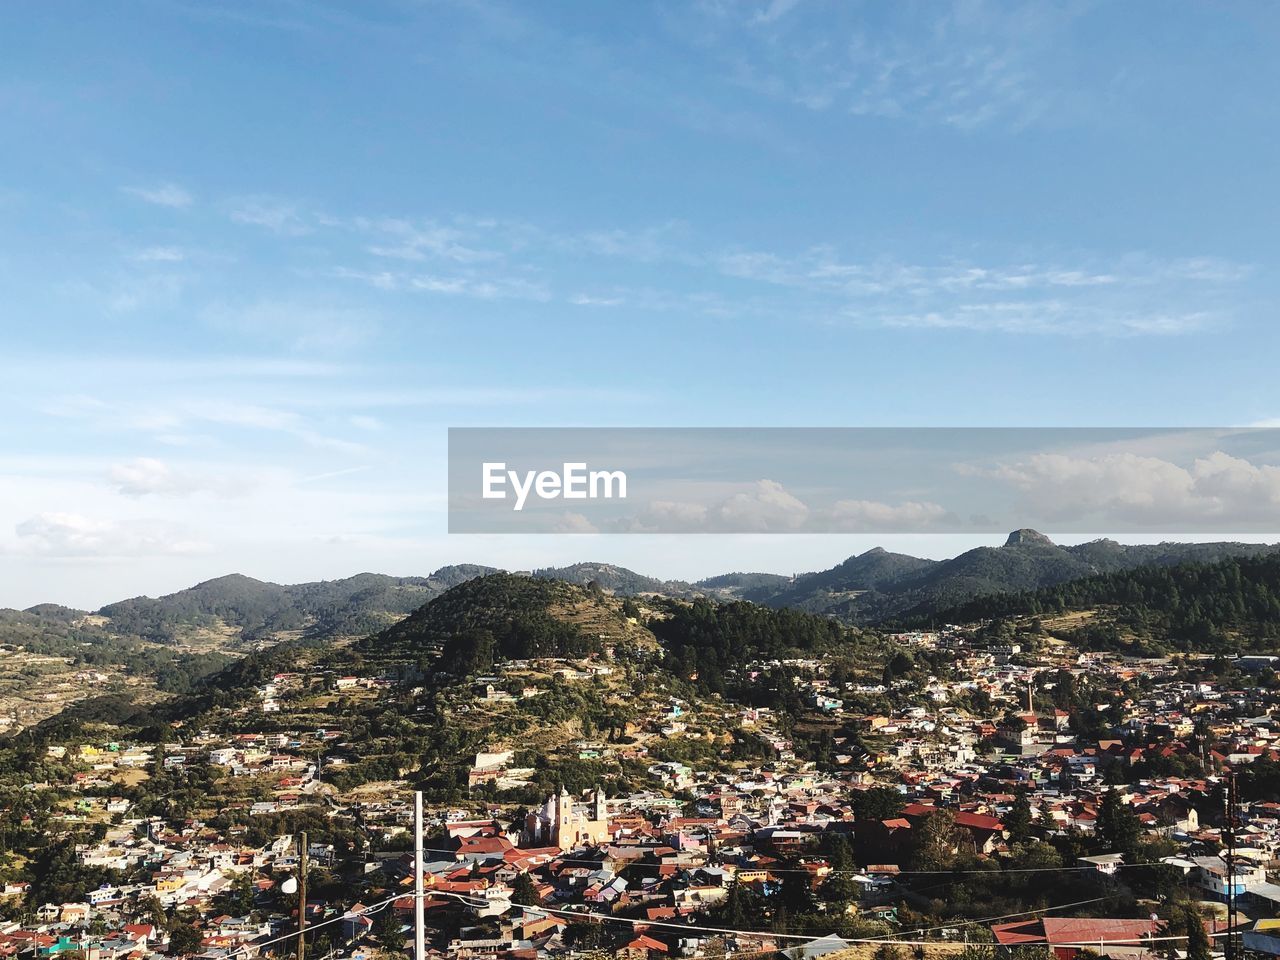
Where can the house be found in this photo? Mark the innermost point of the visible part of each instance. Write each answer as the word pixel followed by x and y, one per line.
pixel 1068 936
pixel 1107 863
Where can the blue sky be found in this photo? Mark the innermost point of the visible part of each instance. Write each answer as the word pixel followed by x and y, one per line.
pixel 255 257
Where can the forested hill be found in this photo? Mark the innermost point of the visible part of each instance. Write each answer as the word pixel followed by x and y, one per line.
pixel 256 609
pixel 1230 605
pixel 613 579
pixel 705 640
pixel 878 585
pixel 505 616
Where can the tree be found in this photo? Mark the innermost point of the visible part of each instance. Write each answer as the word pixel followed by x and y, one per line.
pixel 1118 825
pixel 525 892
pixel 1018 820
pixel 936 842
pixel 238 899
pixel 740 909
pixel 796 894
pixel 184 940
pixel 388 929
pixel 840 886
pixel 152 911
pixel 876 803
pixel 1197 940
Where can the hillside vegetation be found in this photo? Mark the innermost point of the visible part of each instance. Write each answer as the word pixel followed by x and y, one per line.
pixel 256 609
pixel 505 616
pixel 1228 606
pixel 879 585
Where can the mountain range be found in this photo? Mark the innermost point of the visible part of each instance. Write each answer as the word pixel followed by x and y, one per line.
pixel 879 585
pixel 871 587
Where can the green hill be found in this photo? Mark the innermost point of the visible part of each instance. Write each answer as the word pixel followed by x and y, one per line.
pixel 1227 606
pixel 613 579
pixel 879 585
pixel 256 609
pixel 505 616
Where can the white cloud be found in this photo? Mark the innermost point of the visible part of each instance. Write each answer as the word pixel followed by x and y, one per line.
pixel 301 325
pixel 967 64
pixel 163 195
pixel 404 240
pixel 1131 488
pixel 774 10
pixel 569 522
pixel 762 507
pixel 73 535
pixel 1052 317
pixel 278 216
pixel 766 507
pixel 870 515
pixel 147 476
pixel 160 255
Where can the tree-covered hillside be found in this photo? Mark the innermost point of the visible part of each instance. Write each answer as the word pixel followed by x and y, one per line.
pixel 1230 605
pixel 502 616
pixel 704 639
pixel 356 605
pixel 878 585
pixel 613 579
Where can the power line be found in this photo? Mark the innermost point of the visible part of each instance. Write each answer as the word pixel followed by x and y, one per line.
pixel 997 871
pixel 1007 916
pixel 474 901
pixel 806 938
pixel 367 911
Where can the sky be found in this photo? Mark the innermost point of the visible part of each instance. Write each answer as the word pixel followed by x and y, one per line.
pixel 256 258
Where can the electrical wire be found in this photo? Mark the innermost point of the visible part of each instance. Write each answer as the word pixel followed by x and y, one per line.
pixel 996 871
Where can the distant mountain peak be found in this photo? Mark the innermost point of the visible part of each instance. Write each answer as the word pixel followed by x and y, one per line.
pixel 1027 536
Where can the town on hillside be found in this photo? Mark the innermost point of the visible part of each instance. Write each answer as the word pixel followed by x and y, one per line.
pixel 980 790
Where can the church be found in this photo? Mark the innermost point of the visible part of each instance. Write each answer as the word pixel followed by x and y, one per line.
pixel 566 822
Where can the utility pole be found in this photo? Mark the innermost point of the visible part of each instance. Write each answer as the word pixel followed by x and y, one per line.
pixel 419 922
pixel 302 896
pixel 1229 824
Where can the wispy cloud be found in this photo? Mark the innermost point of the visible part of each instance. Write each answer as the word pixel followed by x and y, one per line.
pixel 149 476
pixel 163 195
pixel 1131 296
pixel 403 240
pixel 965 64
pixel 278 216
pixel 160 255
pixel 71 535
pixel 670 269
pixel 301 325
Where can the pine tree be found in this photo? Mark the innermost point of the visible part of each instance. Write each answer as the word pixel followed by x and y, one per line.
pixel 1197 940
pixel 525 892
pixel 1118 826
pixel 1018 820
pixel 740 909
pixel 184 940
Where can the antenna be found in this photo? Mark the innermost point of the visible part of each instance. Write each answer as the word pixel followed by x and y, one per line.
pixel 1229 823
pixel 302 895
pixel 419 925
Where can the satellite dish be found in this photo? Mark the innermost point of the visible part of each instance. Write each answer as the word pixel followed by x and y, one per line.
pixel 290 885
